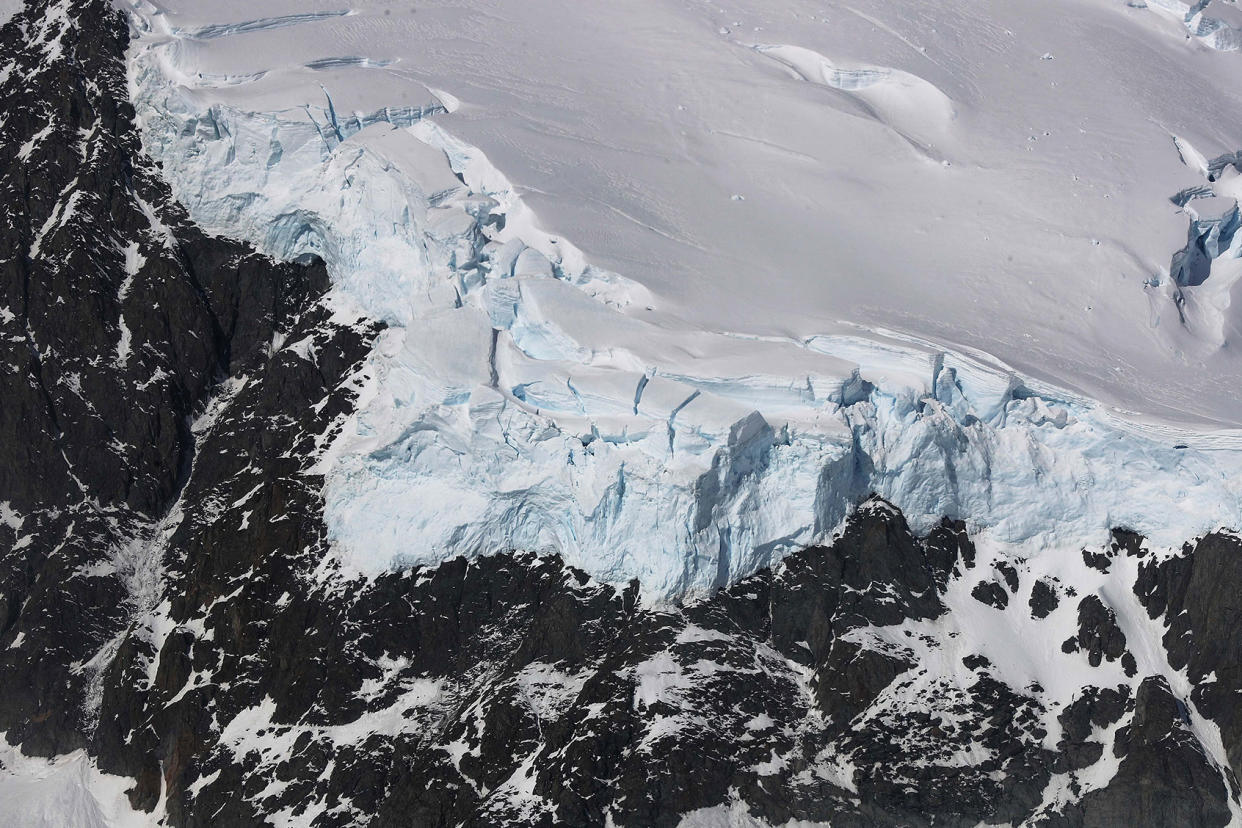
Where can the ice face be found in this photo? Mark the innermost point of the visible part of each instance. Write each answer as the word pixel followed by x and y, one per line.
pixel 523 398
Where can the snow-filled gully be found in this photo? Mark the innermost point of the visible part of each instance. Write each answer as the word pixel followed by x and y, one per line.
pixel 522 398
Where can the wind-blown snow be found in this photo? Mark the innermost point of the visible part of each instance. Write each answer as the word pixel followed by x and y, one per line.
pixel 523 396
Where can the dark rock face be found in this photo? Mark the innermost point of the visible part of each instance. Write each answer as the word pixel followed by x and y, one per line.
pixel 990 593
pixel 1094 708
pixel 120 321
pixel 168 601
pixel 1043 599
pixel 1197 595
pixel 1163 778
pixel 1098 633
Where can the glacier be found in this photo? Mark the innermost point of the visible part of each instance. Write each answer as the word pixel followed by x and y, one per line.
pixel 523 397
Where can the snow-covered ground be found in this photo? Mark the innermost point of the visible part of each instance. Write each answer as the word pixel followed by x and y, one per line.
pixel 66 791
pixel 669 286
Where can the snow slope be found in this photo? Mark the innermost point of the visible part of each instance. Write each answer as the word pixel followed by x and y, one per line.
pixel 668 288
pixel 66 790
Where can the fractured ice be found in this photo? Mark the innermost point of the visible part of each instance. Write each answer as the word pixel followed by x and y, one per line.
pixel 522 398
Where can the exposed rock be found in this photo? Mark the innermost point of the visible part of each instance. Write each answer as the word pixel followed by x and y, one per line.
pixel 990 593
pixel 1097 560
pixel 167 601
pixel 1164 778
pixel 1129 542
pixel 1043 599
pixel 1098 633
pixel 1197 594
pixel 950 551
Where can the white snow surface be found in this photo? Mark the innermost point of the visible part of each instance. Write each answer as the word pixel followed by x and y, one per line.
pixel 753 263
pixel 65 791
pixel 8 8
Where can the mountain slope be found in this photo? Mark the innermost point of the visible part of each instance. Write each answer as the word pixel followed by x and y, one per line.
pixel 178 624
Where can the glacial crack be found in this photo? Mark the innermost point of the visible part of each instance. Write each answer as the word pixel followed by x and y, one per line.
pixel 1215 219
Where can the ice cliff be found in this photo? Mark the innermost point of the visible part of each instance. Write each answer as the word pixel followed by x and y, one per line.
pixel 521 398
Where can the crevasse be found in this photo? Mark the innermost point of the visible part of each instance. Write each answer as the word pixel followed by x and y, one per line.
pixel 521 398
